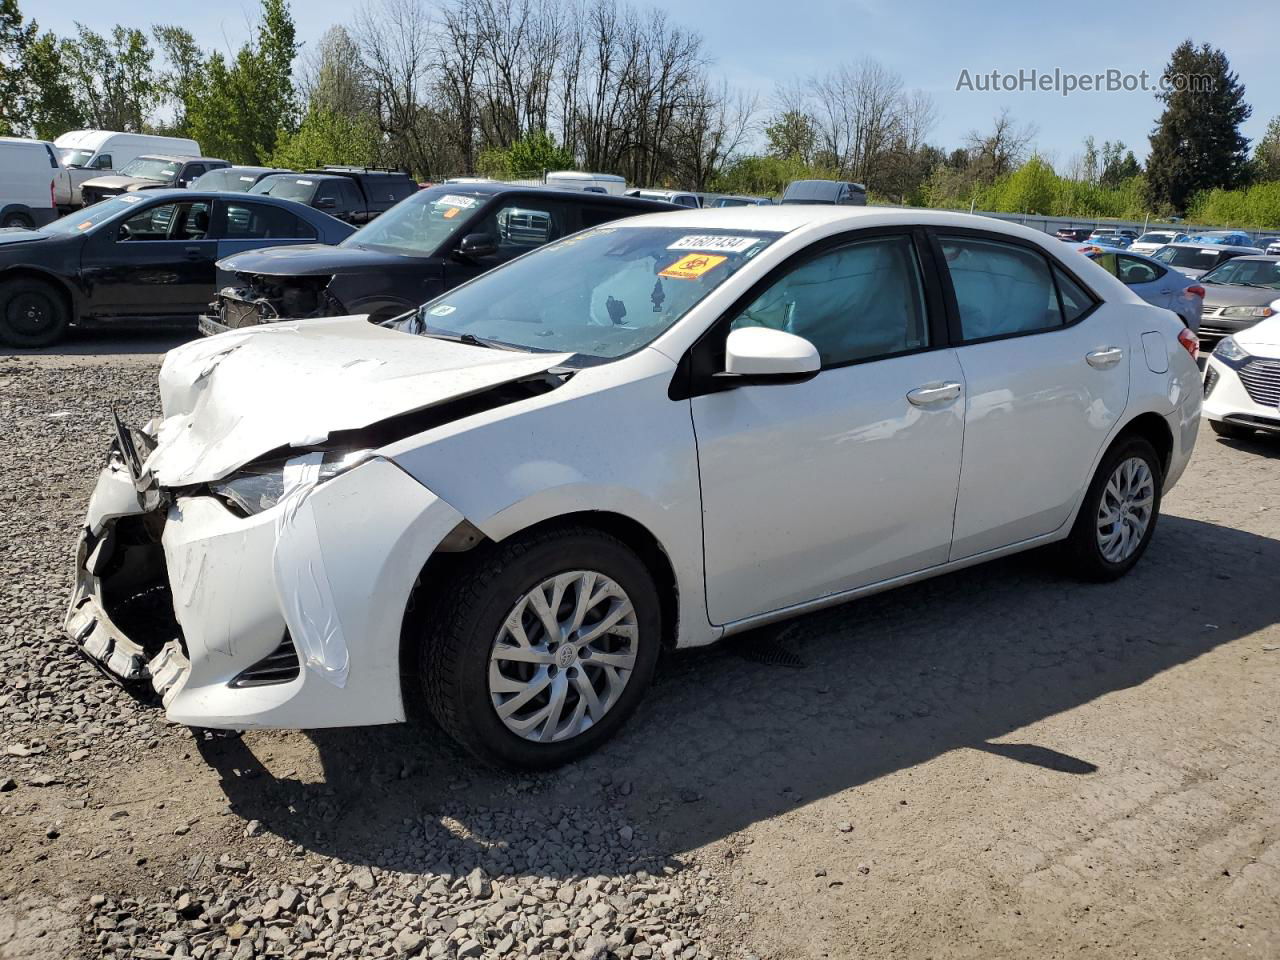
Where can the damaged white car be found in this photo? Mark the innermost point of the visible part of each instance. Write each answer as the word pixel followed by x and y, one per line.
pixel 654 433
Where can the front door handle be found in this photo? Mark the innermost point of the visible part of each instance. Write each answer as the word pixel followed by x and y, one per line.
pixel 193 253
pixel 1105 358
pixel 932 394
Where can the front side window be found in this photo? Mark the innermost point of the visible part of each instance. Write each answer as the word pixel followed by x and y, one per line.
pixel 1000 288
pixel 857 301
pixel 598 294
pixel 168 221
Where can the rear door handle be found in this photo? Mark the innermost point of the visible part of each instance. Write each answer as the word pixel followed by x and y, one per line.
pixel 193 253
pixel 932 394
pixel 1104 359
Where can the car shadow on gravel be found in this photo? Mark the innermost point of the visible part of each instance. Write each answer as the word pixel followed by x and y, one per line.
pixel 94 343
pixel 721 742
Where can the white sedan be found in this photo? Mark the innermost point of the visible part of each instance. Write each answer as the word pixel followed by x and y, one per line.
pixel 1242 381
pixel 654 433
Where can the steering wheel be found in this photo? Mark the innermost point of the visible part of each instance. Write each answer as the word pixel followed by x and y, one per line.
pixel 124 233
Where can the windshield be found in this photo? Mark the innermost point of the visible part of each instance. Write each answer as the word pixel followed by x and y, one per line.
pixel 417 226
pixel 1194 257
pixel 151 168
pixel 1246 273
pixel 600 294
pixel 1155 238
pixel 90 217
pixel 286 188
pixel 72 157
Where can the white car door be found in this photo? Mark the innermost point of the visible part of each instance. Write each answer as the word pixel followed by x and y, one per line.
pixel 847 478
pixel 1046 371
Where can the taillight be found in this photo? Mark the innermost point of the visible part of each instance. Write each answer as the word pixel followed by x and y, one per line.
pixel 1195 291
pixel 1190 342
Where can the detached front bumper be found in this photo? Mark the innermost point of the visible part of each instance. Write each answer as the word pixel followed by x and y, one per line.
pixel 237 621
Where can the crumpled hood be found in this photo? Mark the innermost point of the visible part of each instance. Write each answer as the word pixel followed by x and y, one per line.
pixel 229 399
pixel 315 259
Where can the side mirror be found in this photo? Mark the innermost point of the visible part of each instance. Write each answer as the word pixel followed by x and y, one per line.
pixel 325 203
pixel 478 245
pixel 765 355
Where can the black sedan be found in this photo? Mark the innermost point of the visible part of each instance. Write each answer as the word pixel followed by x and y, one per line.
pixel 139 257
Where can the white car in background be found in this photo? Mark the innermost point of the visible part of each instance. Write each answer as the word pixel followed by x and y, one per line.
pixel 657 432
pixel 1153 240
pixel 1242 381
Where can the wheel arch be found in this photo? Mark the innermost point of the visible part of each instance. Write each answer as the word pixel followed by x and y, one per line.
pixel 446 561
pixel 1155 430
pixel 26 272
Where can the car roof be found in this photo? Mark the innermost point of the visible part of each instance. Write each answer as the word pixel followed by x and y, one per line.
pixel 186 193
pixel 496 188
pixel 785 219
pixel 181 157
pixel 1210 246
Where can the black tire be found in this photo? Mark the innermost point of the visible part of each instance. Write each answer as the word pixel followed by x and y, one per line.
pixel 17 220
pixel 463 626
pixel 1232 431
pixel 32 313
pixel 1081 552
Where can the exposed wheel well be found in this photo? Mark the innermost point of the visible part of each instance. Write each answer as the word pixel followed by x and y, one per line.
pixel 1153 428
pixel 442 566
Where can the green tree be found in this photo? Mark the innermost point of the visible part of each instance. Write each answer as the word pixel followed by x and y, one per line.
pixel 327 137
pixel 792 134
pixel 1266 155
pixel 1118 165
pixel 1197 144
pixel 529 157
pixel 15 38
pixel 49 106
pixel 184 81
pixel 113 77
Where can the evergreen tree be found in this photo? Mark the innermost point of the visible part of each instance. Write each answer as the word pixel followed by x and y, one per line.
pixel 49 107
pixel 1197 144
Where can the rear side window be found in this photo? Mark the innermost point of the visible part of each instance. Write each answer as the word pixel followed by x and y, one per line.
pixel 245 220
pixel 1135 271
pixel 1076 301
pixel 1001 289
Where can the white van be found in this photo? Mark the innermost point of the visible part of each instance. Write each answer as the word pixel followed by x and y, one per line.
pixel 29 179
pixel 587 182
pixel 92 153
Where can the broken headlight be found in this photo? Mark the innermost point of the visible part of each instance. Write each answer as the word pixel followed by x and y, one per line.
pixel 260 486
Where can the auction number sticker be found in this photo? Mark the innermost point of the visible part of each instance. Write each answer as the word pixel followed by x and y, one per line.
pixel 453 200
pixel 715 244
pixel 442 310
pixel 127 198
pixel 306 183
pixel 692 267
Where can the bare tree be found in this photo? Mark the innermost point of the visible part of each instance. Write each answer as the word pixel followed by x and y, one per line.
pixel 710 131
pixel 1003 148
pixel 397 46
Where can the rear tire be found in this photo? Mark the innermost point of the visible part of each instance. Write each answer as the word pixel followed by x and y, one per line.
pixel 1118 516
pixel 1232 431
pixel 469 669
pixel 32 313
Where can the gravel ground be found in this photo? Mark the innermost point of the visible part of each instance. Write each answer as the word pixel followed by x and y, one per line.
pixel 996 763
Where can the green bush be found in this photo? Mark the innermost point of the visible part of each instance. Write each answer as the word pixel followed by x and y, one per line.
pixel 328 138
pixel 528 158
pixel 1256 206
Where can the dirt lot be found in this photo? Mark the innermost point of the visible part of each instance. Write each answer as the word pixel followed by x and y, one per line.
pixel 997 763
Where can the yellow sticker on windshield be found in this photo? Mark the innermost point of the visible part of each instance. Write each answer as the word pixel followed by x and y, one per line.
pixel 451 213
pixel 84 226
pixel 693 266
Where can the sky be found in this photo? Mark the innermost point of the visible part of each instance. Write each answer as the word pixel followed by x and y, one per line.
pixel 757 44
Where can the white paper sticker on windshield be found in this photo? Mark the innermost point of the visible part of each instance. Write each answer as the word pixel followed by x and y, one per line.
pixel 130 198
pixel 454 200
pixel 306 183
pixel 715 243
pixel 245 179
pixel 442 310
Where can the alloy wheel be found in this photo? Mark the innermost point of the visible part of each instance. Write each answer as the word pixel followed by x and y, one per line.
pixel 563 656
pixel 1124 512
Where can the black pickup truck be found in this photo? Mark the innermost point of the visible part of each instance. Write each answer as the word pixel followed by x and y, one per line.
pixel 353 194
pixel 440 238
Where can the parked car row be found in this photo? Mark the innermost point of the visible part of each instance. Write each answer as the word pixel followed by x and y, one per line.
pixel 497 506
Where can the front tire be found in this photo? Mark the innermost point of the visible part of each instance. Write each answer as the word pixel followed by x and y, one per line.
pixel 541 647
pixel 1118 516
pixel 32 313
pixel 17 220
